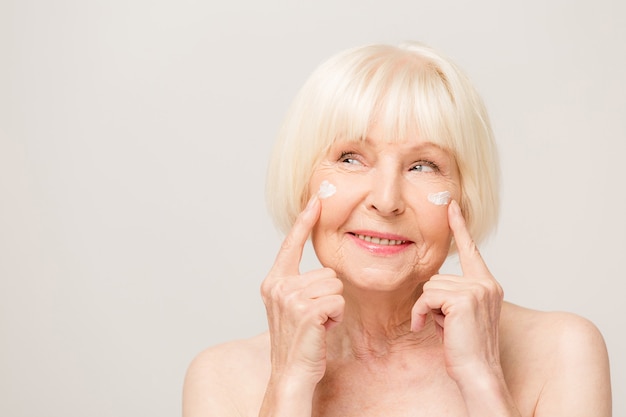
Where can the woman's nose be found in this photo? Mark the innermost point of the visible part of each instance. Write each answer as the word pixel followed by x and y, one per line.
pixel 385 195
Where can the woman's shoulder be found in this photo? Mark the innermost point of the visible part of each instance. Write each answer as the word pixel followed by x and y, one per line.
pixel 557 327
pixel 227 377
pixel 548 356
pixel 234 353
pixel 548 333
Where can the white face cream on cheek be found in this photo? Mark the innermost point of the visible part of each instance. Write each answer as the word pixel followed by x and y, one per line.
pixel 326 190
pixel 439 199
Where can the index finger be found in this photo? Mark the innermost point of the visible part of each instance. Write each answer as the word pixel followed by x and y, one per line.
pixel 290 253
pixel 469 255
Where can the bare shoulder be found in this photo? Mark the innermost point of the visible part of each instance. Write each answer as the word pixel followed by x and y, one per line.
pixel 556 331
pixel 228 357
pixel 561 356
pixel 227 379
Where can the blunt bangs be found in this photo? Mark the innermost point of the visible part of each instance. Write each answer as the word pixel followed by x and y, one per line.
pixel 387 87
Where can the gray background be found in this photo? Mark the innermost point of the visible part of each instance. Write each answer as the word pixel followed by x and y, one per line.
pixel 134 137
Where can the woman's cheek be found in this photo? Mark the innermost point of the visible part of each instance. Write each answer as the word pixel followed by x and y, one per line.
pixel 334 204
pixel 340 201
pixel 430 205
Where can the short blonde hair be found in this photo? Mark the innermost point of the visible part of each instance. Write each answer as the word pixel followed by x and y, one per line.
pixel 405 88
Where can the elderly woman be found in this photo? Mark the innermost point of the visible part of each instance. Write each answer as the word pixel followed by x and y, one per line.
pixel 386 160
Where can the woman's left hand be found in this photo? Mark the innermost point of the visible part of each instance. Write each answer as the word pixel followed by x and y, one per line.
pixel 465 309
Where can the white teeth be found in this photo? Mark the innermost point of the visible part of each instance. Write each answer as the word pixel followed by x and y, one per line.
pixel 379 241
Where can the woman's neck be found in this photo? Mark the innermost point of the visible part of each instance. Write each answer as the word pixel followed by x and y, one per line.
pixel 377 324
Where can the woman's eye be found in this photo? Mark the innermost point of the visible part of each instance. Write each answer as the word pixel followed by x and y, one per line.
pixel 349 158
pixel 425 166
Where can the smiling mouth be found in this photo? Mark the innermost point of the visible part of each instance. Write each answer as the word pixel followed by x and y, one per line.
pixel 380 241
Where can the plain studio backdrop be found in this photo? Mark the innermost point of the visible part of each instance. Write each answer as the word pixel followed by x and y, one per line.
pixel 134 139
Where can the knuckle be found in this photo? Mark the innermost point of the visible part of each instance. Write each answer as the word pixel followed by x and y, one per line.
pixel 266 288
pixel 329 272
pixel 298 307
pixel 481 292
pixel 287 243
pixel 290 303
pixel 279 291
pixel 340 301
pixel 471 247
pixel 493 287
pixel 437 278
pixel 335 286
pixel 468 302
pixel 474 248
pixel 274 290
pixel 488 290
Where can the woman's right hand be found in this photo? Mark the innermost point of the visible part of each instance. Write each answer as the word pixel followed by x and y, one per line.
pixel 300 307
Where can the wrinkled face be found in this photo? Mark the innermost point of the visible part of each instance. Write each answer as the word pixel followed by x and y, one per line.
pixel 379 230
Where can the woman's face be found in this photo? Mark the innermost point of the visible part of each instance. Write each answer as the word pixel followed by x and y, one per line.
pixel 379 230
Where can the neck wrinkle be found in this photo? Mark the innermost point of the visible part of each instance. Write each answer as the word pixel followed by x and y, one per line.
pixel 377 325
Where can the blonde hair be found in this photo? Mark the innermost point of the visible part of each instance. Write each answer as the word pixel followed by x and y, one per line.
pixel 405 88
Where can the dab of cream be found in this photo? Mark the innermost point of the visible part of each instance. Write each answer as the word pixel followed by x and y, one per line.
pixel 326 190
pixel 439 199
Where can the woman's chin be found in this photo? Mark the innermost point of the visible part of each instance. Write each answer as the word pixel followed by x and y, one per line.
pixel 376 280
